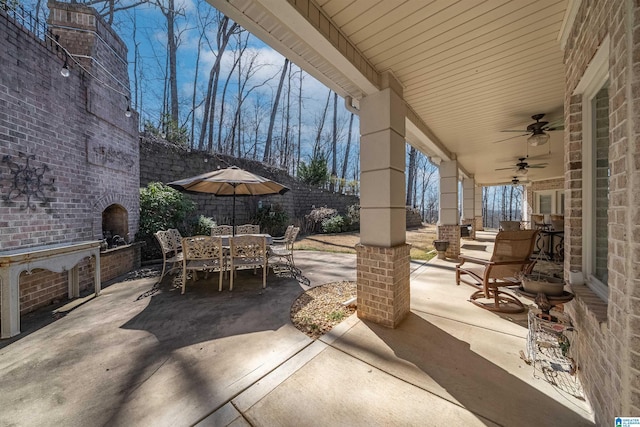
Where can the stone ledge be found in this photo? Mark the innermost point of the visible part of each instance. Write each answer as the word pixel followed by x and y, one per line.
pixel 591 302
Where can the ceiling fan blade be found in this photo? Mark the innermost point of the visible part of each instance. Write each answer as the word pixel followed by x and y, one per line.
pixel 514 130
pixel 505 169
pixel 539 166
pixel 507 139
pixel 555 125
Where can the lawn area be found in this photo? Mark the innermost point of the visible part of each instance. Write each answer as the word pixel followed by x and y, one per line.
pixel 421 240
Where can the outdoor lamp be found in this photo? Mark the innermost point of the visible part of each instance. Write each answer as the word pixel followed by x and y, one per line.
pixel 65 68
pixel 538 138
pixel 128 112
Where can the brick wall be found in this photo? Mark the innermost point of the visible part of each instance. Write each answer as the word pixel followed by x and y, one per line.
pixel 383 287
pixel 450 233
pixel 47 116
pixel 77 133
pixel 118 261
pixel 607 347
pixel 40 288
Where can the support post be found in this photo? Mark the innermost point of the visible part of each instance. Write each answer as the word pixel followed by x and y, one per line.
pixel 448 223
pixel 383 255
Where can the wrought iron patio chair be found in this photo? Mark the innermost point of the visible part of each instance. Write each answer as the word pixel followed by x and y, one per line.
pixel 171 252
pixel 203 253
pixel 222 230
pixel 279 240
pixel 248 252
pixel 247 229
pixel 511 257
pixel 284 252
pixel 176 238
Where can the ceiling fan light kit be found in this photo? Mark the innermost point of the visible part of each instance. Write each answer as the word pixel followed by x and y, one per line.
pixel 538 139
pixel 537 131
pixel 522 171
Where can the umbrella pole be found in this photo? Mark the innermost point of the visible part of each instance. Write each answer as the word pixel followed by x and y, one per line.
pixel 233 212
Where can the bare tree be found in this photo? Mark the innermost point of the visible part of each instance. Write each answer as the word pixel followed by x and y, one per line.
pixel 267 145
pixel 334 144
pixel 317 148
pixel 245 76
pixel 203 23
pixel 106 8
pixel 237 55
pixel 299 123
pixel 411 177
pixel 346 151
pixel 170 13
pixel 225 30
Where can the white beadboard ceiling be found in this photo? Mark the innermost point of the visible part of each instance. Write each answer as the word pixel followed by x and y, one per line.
pixel 470 69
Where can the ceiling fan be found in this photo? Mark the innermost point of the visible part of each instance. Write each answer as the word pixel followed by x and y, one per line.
pixel 522 167
pixel 537 131
pixel 517 181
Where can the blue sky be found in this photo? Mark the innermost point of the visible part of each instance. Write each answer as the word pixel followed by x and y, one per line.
pixel 151 40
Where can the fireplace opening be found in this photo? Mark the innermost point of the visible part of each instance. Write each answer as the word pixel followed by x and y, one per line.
pixel 115 226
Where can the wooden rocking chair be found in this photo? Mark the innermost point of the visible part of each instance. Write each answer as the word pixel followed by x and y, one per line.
pixel 511 257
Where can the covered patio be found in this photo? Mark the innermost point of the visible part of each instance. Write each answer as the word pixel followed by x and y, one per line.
pixel 453 80
pixel 130 357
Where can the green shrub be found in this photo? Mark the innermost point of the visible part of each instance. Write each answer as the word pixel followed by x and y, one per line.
pixel 335 224
pixel 272 219
pixel 201 226
pixel 161 208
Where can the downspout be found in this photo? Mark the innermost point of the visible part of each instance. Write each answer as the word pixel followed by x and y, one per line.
pixel 348 104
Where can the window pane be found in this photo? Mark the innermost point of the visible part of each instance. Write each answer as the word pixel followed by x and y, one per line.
pixel 561 203
pixel 601 184
pixel 545 204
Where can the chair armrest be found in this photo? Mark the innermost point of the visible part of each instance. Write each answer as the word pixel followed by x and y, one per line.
pixel 464 258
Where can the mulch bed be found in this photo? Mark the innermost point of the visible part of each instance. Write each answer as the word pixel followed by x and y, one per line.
pixel 319 309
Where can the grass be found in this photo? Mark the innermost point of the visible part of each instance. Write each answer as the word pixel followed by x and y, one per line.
pixel 420 239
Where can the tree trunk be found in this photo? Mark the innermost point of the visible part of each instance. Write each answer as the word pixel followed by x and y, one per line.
pixel 173 48
pixel 334 144
pixel 286 145
pixel 222 40
pixel 346 151
pixel 411 176
pixel 299 124
pixel 316 144
pixel 267 145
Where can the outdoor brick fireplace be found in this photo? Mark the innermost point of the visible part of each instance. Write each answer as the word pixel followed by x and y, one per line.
pixel 81 182
pixel 115 225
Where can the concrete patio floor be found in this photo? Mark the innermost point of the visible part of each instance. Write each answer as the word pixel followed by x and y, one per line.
pixel 138 358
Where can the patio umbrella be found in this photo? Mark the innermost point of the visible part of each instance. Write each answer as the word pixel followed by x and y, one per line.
pixel 231 182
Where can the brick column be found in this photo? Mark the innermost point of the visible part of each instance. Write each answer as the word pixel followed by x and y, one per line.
pixel 383 284
pixel 448 223
pixel 450 233
pixel 383 255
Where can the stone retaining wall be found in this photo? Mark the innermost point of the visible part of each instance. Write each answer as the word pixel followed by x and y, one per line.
pixel 164 162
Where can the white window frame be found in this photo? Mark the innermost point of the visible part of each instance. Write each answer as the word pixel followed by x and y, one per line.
pixel 554 197
pixel 594 78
